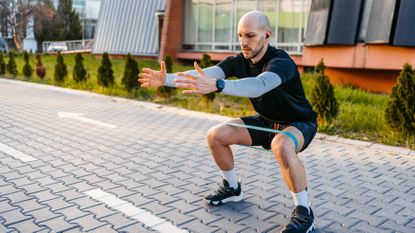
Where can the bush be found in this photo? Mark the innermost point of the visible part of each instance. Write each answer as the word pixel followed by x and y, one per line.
pixel 2 64
pixel 400 110
pixel 131 70
pixel 206 62
pixel 40 69
pixel 105 75
pixel 322 96
pixel 79 72
pixel 165 91
pixel 11 66
pixel 61 70
pixel 27 69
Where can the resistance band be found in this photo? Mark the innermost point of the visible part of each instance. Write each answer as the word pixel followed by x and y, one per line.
pixel 290 135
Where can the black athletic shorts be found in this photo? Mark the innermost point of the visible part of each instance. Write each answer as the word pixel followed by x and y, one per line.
pixel 261 138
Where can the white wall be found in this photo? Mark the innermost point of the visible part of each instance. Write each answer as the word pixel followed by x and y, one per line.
pixel 30 44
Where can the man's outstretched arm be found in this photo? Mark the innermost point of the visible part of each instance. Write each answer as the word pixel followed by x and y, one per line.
pixel 252 87
pixel 212 71
pixel 247 87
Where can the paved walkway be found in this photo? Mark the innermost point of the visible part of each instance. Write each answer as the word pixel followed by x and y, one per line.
pixel 130 166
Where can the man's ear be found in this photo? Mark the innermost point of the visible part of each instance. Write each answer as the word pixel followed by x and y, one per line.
pixel 266 36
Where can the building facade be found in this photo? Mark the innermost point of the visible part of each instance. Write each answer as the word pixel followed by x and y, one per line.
pixel 128 26
pixel 363 42
pixel 212 25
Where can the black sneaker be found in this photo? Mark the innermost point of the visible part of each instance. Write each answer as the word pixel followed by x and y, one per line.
pixel 301 221
pixel 225 194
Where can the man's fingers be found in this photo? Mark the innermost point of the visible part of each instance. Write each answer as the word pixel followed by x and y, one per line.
pixel 144 75
pixel 148 70
pixel 185 85
pixel 198 69
pixel 144 82
pixel 191 92
pixel 143 79
pixel 184 80
pixel 189 76
pixel 163 67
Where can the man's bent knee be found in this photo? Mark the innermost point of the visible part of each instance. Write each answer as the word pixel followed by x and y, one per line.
pixel 219 134
pixel 282 147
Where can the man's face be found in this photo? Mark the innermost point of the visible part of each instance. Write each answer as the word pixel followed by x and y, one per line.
pixel 251 39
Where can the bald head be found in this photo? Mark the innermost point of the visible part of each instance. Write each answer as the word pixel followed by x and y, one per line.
pixel 254 34
pixel 256 19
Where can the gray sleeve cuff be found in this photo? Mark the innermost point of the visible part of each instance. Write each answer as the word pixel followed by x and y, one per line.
pixel 170 80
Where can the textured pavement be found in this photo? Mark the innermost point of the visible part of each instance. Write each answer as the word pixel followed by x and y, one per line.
pixel 155 167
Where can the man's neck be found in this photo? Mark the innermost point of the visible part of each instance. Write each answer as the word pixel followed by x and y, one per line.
pixel 258 58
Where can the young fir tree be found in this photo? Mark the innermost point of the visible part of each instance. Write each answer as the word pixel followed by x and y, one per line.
pixel 204 63
pixel 131 70
pixel 61 70
pixel 79 72
pixel 322 96
pixel 40 69
pixel 400 110
pixel 2 64
pixel 105 75
pixel 11 66
pixel 68 18
pixel 27 68
pixel 165 91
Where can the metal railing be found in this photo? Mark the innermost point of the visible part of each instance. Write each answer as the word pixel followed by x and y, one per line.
pixel 68 46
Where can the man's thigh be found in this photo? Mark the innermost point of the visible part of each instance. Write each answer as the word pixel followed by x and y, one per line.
pixel 308 130
pixel 293 137
pixel 304 132
pixel 258 137
pixel 236 135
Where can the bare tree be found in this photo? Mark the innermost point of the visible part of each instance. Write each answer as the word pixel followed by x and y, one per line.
pixel 47 24
pixel 4 14
pixel 15 15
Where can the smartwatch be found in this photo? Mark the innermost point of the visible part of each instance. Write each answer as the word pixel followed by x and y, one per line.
pixel 220 84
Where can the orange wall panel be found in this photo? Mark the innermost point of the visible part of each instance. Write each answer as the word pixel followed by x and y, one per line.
pixel 380 81
pixel 366 56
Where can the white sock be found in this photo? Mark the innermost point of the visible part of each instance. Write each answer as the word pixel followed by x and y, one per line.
pixel 230 176
pixel 301 198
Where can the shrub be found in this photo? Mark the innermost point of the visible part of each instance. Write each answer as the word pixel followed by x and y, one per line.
pixel 105 75
pixel 400 110
pixel 11 66
pixel 61 70
pixel 27 68
pixel 165 91
pixel 206 62
pixel 131 70
pixel 79 72
pixel 322 96
pixel 2 64
pixel 40 69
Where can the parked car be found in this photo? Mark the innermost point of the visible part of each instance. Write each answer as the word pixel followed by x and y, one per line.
pixel 57 47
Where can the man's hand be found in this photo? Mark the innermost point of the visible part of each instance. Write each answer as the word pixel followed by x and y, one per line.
pixel 152 78
pixel 198 84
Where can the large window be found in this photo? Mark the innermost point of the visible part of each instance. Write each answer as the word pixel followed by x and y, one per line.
pixel 223 24
pixel 211 25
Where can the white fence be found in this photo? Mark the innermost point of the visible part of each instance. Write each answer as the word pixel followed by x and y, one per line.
pixel 68 46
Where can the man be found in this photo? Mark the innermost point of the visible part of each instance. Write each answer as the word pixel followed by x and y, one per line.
pixel 271 80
